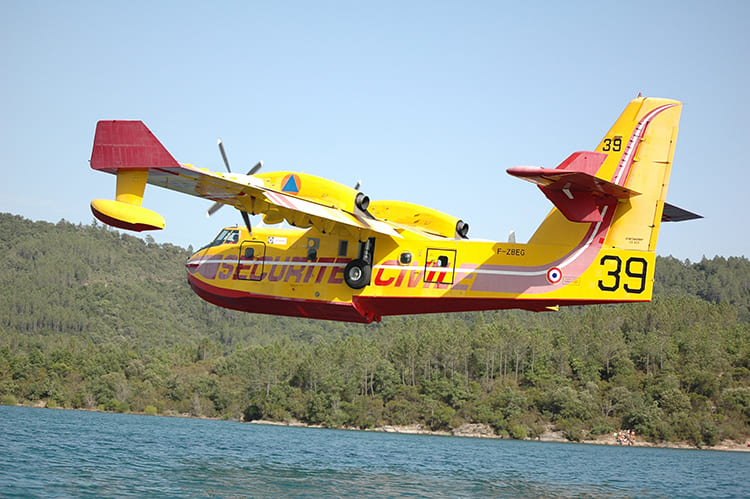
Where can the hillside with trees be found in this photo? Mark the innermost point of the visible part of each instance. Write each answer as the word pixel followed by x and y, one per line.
pixel 94 319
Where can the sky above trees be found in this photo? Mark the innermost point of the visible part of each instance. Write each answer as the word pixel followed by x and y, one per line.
pixel 428 102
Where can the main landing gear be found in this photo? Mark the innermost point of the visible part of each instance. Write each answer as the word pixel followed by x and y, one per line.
pixel 358 272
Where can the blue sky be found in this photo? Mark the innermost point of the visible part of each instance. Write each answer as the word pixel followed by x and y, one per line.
pixel 428 102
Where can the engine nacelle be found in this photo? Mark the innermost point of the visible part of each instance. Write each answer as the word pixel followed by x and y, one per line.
pixel 316 189
pixel 421 218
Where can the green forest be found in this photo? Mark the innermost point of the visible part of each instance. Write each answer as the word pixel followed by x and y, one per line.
pixel 94 319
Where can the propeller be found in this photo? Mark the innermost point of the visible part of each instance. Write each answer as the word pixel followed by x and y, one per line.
pixel 215 207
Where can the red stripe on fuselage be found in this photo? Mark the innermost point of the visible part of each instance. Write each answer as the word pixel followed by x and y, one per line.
pixel 275 305
pixel 365 309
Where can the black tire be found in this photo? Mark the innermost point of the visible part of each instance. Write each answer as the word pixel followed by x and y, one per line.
pixel 357 273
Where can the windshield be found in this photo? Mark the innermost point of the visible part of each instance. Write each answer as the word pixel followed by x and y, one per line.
pixel 220 238
pixel 226 236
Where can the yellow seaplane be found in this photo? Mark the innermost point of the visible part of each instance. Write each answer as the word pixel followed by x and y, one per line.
pixel 342 256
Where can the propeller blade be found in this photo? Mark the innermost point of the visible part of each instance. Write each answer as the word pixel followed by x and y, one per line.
pixel 224 156
pixel 213 209
pixel 255 168
pixel 246 218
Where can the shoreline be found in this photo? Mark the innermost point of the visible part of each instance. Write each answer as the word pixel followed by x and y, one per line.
pixel 467 430
pixel 478 430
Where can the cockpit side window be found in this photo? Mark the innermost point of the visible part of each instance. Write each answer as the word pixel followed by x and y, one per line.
pixel 234 237
pixel 220 238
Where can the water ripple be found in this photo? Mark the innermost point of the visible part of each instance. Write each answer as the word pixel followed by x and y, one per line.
pixel 50 453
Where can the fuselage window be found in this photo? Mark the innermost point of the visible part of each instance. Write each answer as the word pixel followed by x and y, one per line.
pixel 404 258
pixel 343 247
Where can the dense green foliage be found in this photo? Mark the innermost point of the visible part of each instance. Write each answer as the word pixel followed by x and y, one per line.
pixel 94 319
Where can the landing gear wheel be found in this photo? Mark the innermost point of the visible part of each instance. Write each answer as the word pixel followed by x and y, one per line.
pixel 357 273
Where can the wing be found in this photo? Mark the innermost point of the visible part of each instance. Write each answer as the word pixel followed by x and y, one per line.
pixel 247 193
pixel 129 146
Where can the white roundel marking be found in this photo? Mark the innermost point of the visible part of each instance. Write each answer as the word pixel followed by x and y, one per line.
pixel 554 275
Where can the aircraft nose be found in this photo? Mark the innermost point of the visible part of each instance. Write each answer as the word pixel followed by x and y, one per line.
pixel 193 263
pixel 206 266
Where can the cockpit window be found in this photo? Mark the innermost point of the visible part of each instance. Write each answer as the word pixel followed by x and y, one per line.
pixel 226 236
pixel 220 238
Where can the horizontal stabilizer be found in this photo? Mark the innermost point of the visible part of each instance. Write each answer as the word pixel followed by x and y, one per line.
pixel 573 186
pixel 674 213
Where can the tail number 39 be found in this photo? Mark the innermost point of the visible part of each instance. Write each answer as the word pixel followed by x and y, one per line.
pixel 635 274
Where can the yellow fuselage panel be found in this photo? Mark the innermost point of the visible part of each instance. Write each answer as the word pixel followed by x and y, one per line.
pixel 308 265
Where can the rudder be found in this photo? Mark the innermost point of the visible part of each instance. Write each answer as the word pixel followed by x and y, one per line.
pixel 650 128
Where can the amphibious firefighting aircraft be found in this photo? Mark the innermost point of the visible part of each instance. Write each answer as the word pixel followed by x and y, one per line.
pixel 348 258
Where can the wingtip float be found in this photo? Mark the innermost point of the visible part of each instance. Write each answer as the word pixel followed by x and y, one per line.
pixel 351 259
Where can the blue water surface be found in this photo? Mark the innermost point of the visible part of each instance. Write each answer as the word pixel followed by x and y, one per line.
pixel 57 453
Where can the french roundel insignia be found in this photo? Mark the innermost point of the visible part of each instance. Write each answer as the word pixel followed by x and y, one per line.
pixel 291 184
pixel 554 275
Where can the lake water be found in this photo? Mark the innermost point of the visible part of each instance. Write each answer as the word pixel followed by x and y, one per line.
pixel 56 453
